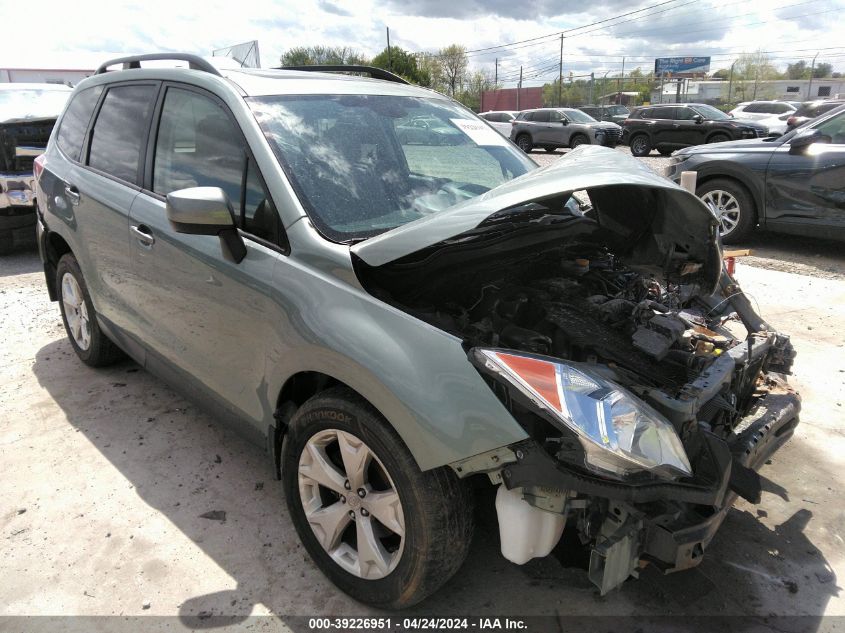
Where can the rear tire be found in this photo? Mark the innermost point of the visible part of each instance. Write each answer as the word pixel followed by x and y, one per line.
pixel 733 205
pixel 665 152
pixel 417 547
pixel 524 142
pixel 80 319
pixel 640 145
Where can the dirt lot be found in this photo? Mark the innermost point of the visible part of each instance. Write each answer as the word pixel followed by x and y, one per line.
pixel 119 497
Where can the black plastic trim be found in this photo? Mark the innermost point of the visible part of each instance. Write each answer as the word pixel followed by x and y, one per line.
pixel 372 71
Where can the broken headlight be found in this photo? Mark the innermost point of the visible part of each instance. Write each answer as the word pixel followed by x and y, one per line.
pixel 620 434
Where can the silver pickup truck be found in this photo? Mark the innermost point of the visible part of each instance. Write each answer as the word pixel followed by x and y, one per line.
pixel 28 113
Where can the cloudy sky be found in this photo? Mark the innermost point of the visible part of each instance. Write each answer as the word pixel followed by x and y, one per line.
pixel 82 33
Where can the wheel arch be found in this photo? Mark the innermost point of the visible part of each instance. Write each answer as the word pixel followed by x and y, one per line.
pixel 54 247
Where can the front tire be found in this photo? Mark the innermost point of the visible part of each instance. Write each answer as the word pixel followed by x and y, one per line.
pixel 80 319
pixel 733 206
pixel 719 138
pixel 578 139
pixel 640 145
pixel 382 530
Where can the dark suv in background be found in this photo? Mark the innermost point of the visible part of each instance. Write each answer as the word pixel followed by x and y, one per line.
pixel 672 126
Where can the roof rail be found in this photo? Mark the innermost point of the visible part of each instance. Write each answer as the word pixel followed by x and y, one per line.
pixel 372 71
pixel 195 62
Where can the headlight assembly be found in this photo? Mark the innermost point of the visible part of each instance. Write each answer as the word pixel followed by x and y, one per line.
pixel 620 434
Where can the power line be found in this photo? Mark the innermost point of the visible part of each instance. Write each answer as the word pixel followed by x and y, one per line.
pixel 558 33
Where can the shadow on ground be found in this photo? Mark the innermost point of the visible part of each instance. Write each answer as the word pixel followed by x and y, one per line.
pixel 20 260
pixel 185 465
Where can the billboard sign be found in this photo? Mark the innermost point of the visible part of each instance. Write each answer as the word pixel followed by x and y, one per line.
pixel 681 65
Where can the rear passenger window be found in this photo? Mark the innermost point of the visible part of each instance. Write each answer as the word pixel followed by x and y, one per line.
pixel 120 130
pixel 75 121
pixel 541 117
pixel 661 113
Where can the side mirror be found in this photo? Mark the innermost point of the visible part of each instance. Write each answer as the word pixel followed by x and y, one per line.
pixel 698 118
pixel 802 141
pixel 206 211
pixel 564 122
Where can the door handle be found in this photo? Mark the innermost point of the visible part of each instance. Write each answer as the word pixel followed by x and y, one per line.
pixel 143 234
pixel 676 125
pixel 73 194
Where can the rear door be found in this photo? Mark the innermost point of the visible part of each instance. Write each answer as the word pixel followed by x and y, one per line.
pixel 540 127
pixel 807 189
pixel 663 130
pixel 100 190
pixel 206 319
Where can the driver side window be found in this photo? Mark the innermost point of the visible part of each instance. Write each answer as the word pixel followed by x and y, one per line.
pixel 199 146
pixel 555 117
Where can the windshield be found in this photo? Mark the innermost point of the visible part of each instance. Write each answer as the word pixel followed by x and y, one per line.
pixel 576 116
pixel 32 103
pixel 364 164
pixel 711 113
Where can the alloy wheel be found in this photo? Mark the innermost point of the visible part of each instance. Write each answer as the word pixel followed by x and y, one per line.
pixel 725 207
pixel 638 145
pixel 351 504
pixel 76 312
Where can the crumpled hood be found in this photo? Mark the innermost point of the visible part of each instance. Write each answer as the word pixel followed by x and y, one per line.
pixel 680 222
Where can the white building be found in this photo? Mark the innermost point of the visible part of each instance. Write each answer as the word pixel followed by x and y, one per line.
pixel 723 91
pixel 67 76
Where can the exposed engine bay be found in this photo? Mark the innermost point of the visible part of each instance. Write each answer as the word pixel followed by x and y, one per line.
pixel 639 311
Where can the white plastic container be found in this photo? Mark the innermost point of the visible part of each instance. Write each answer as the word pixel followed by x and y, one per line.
pixel 525 531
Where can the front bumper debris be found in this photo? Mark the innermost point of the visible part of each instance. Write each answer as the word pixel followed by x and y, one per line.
pixel 667 524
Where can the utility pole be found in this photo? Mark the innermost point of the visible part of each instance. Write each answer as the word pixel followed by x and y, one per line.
pixel 621 84
pixel 812 69
pixel 560 73
pixel 519 88
pixel 496 74
pixel 592 81
pixel 731 81
pixel 389 64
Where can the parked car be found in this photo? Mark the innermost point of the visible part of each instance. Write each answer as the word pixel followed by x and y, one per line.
pixel 757 110
pixel 501 120
pixel 613 113
pixel 672 126
pixel 28 112
pixel 551 128
pixel 394 322
pixel 776 124
pixel 427 130
pixel 791 184
pixel 810 110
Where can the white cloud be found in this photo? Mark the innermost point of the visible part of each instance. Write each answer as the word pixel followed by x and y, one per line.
pixel 85 33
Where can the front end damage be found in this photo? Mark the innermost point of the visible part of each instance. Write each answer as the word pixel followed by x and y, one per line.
pixel 604 321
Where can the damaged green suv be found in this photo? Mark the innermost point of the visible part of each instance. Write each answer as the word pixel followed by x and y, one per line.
pixel 396 320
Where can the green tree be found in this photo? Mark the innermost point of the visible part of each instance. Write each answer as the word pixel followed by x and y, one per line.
pixel 478 82
pixel 750 69
pixel 318 54
pixel 822 70
pixel 403 63
pixel 722 73
pixel 453 62
pixel 798 70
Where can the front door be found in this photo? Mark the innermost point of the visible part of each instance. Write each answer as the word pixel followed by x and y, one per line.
pixel 207 321
pixel 809 188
